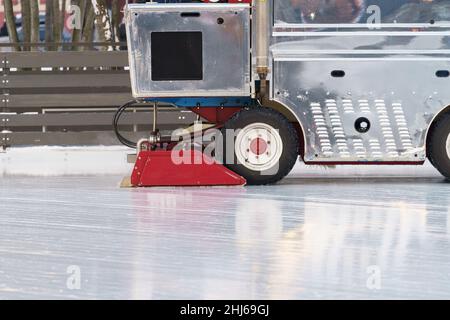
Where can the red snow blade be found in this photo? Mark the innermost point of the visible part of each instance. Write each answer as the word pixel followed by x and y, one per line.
pixel 156 168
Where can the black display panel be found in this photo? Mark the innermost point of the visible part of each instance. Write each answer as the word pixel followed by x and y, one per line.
pixel 177 56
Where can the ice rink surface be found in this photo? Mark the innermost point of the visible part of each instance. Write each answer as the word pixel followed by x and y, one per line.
pixel 320 234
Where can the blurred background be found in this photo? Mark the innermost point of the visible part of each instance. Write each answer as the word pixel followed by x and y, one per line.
pixel 45 24
pixel 64 70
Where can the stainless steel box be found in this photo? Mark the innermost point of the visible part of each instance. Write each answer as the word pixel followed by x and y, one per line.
pixel 189 50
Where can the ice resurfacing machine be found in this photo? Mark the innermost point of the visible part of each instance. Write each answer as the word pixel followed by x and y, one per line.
pixel 331 82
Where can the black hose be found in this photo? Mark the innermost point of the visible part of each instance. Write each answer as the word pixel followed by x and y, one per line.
pixel 116 119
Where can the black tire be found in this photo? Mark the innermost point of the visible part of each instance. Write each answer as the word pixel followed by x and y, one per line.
pixel 438 154
pixel 289 141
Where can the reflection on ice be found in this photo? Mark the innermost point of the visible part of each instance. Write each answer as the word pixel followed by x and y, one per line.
pixel 304 238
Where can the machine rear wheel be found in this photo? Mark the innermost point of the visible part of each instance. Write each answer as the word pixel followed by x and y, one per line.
pixel 264 144
pixel 439 146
